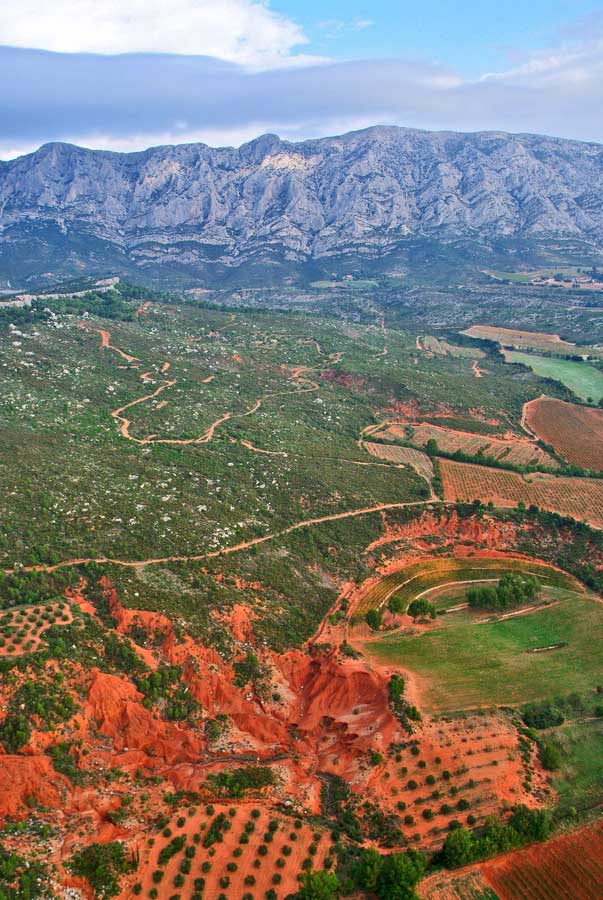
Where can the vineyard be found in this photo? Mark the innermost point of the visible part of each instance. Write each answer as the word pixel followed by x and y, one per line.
pixel 433 344
pixel 405 456
pixel 517 452
pixel 429 577
pixel 580 498
pixel 576 432
pixel 567 867
pixel 524 340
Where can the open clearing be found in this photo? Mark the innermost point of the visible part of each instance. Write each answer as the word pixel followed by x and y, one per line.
pixel 581 378
pixel 576 432
pixel 428 576
pixel 463 664
pixel 569 866
pixel 581 498
pixel 579 781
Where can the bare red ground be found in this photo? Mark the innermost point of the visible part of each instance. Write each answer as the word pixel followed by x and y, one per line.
pixel 322 713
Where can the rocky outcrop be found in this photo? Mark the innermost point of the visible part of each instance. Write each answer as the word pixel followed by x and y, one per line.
pixel 193 206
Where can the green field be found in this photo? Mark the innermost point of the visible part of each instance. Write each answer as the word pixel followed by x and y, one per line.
pixel 579 783
pixel 584 380
pixel 462 664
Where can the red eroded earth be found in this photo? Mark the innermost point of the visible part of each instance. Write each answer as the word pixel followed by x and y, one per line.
pixel 138 771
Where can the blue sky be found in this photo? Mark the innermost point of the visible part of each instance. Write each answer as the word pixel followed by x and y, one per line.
pixel 126 76
pixel 475 35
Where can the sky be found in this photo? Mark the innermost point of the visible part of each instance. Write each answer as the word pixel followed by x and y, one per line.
pixel 125 76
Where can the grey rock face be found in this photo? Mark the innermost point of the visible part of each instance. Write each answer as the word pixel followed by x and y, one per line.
pixel 363 192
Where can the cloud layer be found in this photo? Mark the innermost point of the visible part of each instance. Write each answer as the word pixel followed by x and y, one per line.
pixel 245 31
pixel 132 101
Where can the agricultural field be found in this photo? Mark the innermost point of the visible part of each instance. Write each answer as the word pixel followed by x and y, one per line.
pixel 576 432
pixel 437 578
pixel 402 456
pixel 581 378
pixel 515 451
pixel 22 628
pixel 581 498
pixel 528 340
pixel 568 866
pixel 579 780
pixel 467 662
pixel 254 852
pixel 431 344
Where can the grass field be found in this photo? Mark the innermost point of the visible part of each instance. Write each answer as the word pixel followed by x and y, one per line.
pixel 579 783
pixel 427 576
pixel 584 380
pixel 461 665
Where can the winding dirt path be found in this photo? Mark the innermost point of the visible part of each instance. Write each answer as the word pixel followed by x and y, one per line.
pixel 297 374
pixel 226 551
pixel 105 337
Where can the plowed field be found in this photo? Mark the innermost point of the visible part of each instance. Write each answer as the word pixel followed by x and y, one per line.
pixel 581 498
pixel 576 432
pixel 567 867
pixel 406 456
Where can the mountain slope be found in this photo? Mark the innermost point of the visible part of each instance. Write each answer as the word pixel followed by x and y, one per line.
pixel 367 192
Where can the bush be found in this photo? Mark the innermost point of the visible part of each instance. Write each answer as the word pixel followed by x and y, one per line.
pixel 103 865
pixel 374 619
pixel 318 886
pixel 513 589
pixel 421 608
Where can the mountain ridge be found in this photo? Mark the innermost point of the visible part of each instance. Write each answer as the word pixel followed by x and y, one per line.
pixel 364 192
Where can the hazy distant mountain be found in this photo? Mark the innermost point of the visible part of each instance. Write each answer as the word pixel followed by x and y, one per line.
pixel 191 208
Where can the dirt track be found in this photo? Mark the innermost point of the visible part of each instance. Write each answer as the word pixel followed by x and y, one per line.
pixel 297 375
pixel 225 551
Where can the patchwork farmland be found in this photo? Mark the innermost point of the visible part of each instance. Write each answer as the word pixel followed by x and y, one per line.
pixel 516 451
pixel 580 498
pixel 526 340
pixel 576 432
pixel 405 456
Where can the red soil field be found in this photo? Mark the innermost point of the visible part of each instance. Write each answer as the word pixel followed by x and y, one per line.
pixel 581 498
pixel 576 432
pixel 569 866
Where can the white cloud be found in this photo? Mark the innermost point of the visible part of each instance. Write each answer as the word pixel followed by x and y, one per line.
pixel 334 28
pixel 243 31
